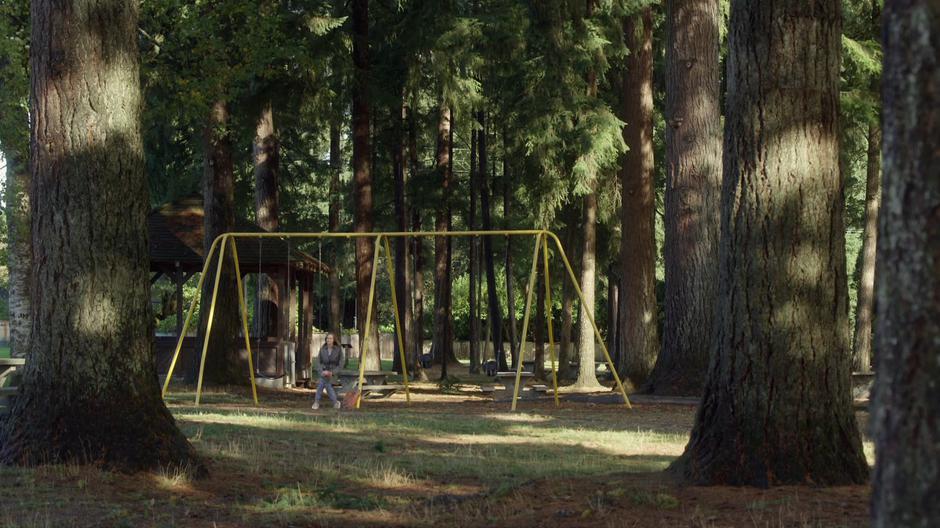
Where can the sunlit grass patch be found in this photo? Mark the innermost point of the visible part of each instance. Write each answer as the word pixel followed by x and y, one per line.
pixel 459 462
pixel 387 475
pixel 519 417
pixel 173 478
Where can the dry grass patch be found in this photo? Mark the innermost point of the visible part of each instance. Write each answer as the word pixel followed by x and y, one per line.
pixel 445 459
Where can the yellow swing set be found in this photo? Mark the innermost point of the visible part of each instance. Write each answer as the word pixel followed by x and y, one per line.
pixel 381 243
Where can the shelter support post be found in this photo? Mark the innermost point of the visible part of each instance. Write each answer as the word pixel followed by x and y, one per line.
pixel 390 269
pixel 189 316
pixel 306 350
pixel 525 318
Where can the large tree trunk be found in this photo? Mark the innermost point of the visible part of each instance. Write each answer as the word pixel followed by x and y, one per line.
pixel 265 153
pixel 265 150
pixel 494 314
pixel 693 180
pixel 538 331
pixel 777 407
pixel 565 340
pixel 20 256
pixel 224 366
pixel 865 307
pixel 638 335
pixel 906 415
pixel 587 378
pixel 362 179
pixel 402 260
pixel 89 392
pixel 514 344
pixel 440 345
pixel 474 259
pixel 449 357
pixel 420 374
pixel 336 303
pixel 449 342
pixel 417 280
pixel 613 310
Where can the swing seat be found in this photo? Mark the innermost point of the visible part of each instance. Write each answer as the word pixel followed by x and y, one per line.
pixel 490 367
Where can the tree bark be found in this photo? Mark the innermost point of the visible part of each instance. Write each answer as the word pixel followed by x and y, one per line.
pixel 495 313
pixel 865 306
pixel 224 366
pixel 566 340
pixel 362 178
pixel 538 331
pixel 420 374
pixel 265 154
pixel 265 151
pixel 336 304
pixel 906 410
pixel 417 281
pixel 587 378
pixel 89 391
pixel 514 344
pixel 613 309
pixel 474 259
pixel 638 334
pixel 777 407
pixel 693 180
pixel 441 253
pixel 20 256
pixel 402 259
pixel 449 342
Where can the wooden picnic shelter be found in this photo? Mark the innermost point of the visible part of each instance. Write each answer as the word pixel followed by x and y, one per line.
pixel 177 250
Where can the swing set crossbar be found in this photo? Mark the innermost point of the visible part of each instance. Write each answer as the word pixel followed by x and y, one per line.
pixel 381 242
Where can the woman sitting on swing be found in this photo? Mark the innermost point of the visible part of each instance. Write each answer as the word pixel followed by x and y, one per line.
pixel 328 361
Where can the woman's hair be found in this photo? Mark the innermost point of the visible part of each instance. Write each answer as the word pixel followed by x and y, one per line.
pixel 329 335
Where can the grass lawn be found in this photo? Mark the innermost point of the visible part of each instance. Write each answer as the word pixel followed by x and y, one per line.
pixel 353 364
pixel 443 460
pixel 4 351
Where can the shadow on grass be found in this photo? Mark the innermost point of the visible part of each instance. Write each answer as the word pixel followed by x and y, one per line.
pixel 456 416
pixel 287 464
pixel 387 465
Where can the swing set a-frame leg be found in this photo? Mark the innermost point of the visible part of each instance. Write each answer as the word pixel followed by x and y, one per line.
pixel 189 317
pixel 364 349
pixel 589 311
pixel 205 343
pixel 525 319
pixel 390 269
pixel 244 313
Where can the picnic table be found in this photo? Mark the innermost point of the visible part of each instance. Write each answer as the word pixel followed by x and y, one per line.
pixel 8 366
pixel 374 383
pixel 506 381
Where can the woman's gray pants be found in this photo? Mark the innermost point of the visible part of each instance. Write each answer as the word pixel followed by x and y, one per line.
pixel 323 382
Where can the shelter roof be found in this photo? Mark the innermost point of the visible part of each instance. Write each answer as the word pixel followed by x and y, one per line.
pixel 176 235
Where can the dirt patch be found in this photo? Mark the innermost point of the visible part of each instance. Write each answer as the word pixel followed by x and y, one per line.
pixel 455 459
pixel 653 499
